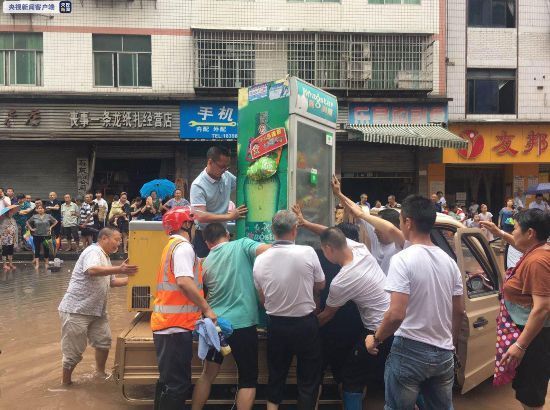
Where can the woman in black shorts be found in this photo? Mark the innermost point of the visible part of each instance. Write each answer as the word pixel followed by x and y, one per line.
pixel 527 299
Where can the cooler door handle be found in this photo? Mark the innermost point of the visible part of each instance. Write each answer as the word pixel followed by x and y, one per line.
pixel 480 322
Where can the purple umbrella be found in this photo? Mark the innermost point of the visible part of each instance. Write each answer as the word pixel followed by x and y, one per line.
pixel 542 188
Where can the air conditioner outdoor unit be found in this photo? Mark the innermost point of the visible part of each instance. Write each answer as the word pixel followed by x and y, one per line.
pixel 413 80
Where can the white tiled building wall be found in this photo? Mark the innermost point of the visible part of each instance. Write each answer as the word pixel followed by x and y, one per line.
pixel 525 48
pixel 68 59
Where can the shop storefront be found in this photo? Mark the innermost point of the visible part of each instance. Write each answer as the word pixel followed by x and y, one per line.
pixel 387 148
pixel 76 147
pixel 500 160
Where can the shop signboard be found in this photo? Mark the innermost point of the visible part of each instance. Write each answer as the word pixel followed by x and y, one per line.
pixel 208 120
pixel 82 176
pixel 312 102
pixel 394 114
pixel 500 144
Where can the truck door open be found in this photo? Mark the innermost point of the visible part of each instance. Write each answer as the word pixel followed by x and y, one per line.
pixel 481 279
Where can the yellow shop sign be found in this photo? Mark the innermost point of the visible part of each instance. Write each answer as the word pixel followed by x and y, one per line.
pixel 500 143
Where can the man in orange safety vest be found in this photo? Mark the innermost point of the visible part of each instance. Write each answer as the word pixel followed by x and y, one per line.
pixel 178 305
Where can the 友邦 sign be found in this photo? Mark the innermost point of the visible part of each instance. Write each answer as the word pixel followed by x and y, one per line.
pixel 208 120
pixel 500 144
pixel 372 114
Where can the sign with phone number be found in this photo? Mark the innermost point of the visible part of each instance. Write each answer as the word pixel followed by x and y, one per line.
pixel 208 120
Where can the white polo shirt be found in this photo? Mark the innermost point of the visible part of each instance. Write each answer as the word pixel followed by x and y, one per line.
pixel 285 274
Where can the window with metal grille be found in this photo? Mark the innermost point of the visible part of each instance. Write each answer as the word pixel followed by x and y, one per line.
pixel 333 61
pixel 141 297
pixel 21 59
pixel 122 61
pixel 225 64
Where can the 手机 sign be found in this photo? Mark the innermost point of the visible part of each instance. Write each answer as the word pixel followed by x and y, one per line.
pixel 208 120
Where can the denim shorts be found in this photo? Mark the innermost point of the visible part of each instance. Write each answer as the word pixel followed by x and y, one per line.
pixel 414 367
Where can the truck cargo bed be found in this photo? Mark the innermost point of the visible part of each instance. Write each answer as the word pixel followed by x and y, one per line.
pixel 136 370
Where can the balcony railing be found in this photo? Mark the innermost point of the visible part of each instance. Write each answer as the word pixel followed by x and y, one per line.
pixel 332 61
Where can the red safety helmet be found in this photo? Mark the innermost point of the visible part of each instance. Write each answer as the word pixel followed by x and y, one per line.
pixel 175 217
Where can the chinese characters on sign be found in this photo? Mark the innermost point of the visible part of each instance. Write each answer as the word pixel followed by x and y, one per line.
pixel 39 7
pixel 206 120
pixel 535 140
pixel 504 145
pixel 82 176
pixel 28 118
pixel 371 114
pixel 523 143
pixel 121 119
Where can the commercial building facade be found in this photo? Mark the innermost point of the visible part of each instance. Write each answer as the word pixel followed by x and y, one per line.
pixel 111 81
pixel 498 59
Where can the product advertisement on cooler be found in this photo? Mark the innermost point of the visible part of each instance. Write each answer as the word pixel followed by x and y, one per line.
pixel 286 154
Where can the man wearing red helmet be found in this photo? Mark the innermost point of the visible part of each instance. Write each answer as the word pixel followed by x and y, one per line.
pixel 178 305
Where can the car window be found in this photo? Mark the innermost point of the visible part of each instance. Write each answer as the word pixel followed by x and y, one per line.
pixel 481 275
pixel 445 239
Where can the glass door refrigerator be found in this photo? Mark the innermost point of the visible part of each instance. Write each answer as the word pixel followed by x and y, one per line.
pixel 286 150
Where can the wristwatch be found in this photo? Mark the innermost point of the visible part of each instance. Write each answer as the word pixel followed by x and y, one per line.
pixel 376 340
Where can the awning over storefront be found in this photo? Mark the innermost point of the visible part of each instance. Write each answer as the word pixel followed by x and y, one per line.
pixel 428 135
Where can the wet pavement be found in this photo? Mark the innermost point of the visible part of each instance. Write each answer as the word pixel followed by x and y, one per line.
pixel 30 362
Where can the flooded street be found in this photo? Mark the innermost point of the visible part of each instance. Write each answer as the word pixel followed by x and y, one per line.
pixel 30 363
pixel 30 370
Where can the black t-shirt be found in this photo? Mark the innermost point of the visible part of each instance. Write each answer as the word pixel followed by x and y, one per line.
pixel 54 213
pixel 346 323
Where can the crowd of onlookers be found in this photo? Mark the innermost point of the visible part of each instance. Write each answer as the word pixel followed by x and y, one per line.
pixel 47 225
pixel 470 216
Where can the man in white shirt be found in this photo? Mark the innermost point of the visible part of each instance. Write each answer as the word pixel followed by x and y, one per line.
pixel 102 208
pixel 362 281
pixel 83 309
pixel 426 310
pixel 539 203
pixel 519 200
pixel 287 278
pixel 386 239
pixel 442 201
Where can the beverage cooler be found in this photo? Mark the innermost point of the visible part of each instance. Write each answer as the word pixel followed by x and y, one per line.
pixel 286 146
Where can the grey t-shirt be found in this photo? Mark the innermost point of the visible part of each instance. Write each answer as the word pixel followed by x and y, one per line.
pixel 87 295
pixel 214 194
pixel 42 224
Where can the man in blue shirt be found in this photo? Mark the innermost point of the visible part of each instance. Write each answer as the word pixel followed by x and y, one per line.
pixel 210 194
pixel 227 276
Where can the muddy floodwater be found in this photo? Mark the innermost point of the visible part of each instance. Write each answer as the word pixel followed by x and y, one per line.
pixel 30 362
